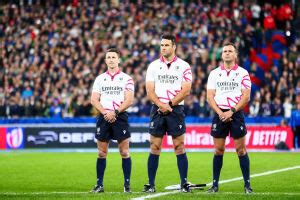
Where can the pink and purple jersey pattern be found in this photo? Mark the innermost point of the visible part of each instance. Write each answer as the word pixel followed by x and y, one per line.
pixel 228 85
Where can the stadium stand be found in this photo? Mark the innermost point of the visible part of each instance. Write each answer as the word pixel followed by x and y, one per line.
pixel 51 51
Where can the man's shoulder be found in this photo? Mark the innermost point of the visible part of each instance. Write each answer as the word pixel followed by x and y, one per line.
pixel 243 70
pixel 181 61
pixel 126 76
pixel 215 70
pixel 101 76
pixel 155 62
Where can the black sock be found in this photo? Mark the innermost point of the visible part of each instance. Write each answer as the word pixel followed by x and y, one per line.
pixel 126 165
pixel 152 167
pixel 217 166
pixel 182 163
pixel 101 165
pixel 245 167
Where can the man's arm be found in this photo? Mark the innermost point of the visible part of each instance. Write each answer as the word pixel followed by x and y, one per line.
pixel 240 105
pixel 128 101
pixel 150 89
pixel 211 101
pixel 185 91
pixel 95 101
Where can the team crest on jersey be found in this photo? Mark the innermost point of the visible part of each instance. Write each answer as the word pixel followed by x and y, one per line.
pixel 105 79
pixel 98 131
pixel 177 67
pixel 120 79
pixel 160 68
pixel 220 74
pixel 236 74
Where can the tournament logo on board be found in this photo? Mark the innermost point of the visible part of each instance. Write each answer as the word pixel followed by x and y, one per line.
pixel 14 138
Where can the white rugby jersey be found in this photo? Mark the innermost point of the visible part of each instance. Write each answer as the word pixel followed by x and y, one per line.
pixel 228 85
pixel 168 79
pixel 112 88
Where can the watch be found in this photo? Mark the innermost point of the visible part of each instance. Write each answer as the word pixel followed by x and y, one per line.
pixel 233 109
pixel 117 112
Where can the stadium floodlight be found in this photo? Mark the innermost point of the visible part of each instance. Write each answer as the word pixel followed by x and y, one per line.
pixel 191 186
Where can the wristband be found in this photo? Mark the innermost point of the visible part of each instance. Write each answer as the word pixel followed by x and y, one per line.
pixel 117 112
pixel 233 110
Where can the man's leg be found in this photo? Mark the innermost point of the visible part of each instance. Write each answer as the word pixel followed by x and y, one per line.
pixel 101 161
pixel 219 145
pixel 126 160
pixel 153 159
pixel 182 161
pixel 240 145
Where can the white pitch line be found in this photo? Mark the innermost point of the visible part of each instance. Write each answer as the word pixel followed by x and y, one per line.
pixel 220 182
pixel 48 193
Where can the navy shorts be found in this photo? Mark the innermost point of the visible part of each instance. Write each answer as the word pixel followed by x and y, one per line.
pixel 236 127
pixel 172 123
pixel 112 131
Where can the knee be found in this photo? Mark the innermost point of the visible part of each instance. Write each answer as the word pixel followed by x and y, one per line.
pixel 241 151
pixel 102 154
pixel 179 149
pixel 155 149
pixel 219 151
pixel 124 153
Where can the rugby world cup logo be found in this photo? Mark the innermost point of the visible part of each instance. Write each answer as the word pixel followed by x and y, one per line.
pixel 14 138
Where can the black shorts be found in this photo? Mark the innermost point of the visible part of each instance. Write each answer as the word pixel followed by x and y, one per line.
pixel 172 123
pixel 118 130
pixel 236 127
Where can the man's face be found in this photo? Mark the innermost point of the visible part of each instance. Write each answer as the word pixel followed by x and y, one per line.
pixel 229 54
pixel 167 48
pixel 112 60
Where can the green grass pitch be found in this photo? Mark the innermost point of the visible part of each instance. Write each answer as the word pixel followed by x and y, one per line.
pixel 45 175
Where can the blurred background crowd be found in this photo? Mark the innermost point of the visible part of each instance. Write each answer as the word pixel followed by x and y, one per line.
pixel 52 51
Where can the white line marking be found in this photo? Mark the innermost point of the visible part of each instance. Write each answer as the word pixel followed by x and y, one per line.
pixel 67 193
pixel 221 182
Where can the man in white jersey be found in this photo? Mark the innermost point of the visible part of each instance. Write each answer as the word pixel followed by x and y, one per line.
pixel 228 92
pixel 168 82
pixel 112 94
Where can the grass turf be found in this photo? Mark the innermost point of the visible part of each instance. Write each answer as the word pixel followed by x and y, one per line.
pixel 45 175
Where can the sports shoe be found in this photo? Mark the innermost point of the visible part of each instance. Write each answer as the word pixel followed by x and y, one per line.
pixel 97 189
pixel 248 190
pixel 185 188
pixel 213 189
pixel 149 189
pixel 127 189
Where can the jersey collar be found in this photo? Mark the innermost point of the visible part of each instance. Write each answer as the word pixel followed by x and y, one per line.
pixel 234 67
pixel 113 76
pixel 164 61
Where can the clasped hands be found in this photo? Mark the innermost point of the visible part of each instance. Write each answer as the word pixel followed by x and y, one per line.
pixel 110 116
pixel 226 116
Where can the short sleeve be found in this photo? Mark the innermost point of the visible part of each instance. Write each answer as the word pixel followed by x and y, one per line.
pixel 129 84
pixel 96 85
pixel 150 73
pixel 187 74
pixel 246 82
pixel 211 84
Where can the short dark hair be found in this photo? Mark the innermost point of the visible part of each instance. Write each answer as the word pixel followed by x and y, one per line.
pixel 114 50
pixel 230 44
pixel 169 37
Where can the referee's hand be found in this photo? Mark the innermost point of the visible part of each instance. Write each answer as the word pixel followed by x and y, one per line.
pixel 164 108
pixel 226 116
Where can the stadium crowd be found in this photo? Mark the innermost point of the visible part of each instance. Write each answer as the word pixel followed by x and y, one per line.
pixel 51 51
